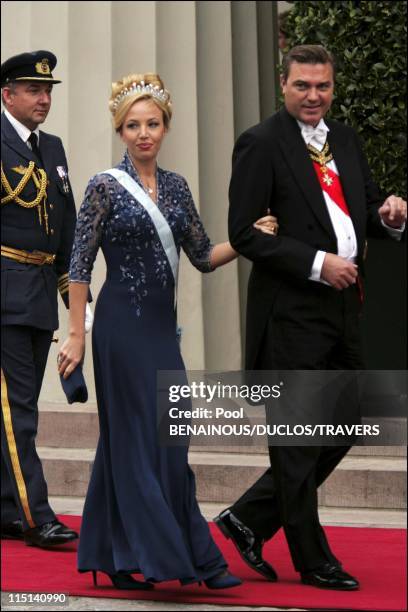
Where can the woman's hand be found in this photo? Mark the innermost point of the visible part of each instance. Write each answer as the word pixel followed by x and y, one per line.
pixel 267 225
pixel 70 354
pixel 223 253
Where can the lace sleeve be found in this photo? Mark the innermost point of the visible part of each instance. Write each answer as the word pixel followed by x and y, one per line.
pixel 196 243
pixel 89 229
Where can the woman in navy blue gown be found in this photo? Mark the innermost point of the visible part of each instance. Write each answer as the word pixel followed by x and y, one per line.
pixel 141 514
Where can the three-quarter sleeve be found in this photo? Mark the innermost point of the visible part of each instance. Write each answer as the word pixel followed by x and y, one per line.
pixel 196 243
pixel 90 225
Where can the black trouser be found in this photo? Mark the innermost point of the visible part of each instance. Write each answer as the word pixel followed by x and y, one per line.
pixel 316 329
pixel 24 494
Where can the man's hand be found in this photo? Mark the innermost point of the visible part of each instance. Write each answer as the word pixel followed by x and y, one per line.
pixel 338 272
pixel 394 211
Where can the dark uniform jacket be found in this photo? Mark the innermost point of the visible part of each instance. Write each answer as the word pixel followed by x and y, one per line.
pixel 28 291
pixel 272 169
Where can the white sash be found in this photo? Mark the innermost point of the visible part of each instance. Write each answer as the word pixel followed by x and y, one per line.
pixel 162 227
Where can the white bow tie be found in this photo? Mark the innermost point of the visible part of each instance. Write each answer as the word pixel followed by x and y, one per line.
pixel 318 134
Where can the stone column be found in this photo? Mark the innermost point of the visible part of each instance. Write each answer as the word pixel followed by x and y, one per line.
pixel 81 29
pixel 246 106
pixel 133 49
pixel 216 139
pixel 176 64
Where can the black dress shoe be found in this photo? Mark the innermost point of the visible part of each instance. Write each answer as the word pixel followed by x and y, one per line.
pixel 246 543
pixel 330 577
pixel 12 531
pixel 49 534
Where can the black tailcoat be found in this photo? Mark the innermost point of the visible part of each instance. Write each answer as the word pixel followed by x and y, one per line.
pixel 272 169
pixel 294 323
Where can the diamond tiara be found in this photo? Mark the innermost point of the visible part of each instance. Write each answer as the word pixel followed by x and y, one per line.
pixel 140 88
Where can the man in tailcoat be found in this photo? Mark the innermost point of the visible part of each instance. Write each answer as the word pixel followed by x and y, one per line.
pixel 304 293
pixel 37 228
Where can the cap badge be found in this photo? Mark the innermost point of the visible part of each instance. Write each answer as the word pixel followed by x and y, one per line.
pixel 43 67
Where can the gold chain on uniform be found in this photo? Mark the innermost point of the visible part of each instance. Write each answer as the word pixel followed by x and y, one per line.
pixel 322 157
pixel 39 177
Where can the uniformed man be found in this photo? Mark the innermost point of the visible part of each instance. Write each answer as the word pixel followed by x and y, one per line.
pixel 38 220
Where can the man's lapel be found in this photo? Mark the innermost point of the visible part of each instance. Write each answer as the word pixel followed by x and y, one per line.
pixel 47 153
pixel 343 150
pixel 297 157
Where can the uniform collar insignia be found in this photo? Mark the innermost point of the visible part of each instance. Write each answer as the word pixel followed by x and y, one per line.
pixel 20 169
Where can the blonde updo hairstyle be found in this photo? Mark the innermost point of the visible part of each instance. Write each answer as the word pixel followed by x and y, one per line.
pixel 120 109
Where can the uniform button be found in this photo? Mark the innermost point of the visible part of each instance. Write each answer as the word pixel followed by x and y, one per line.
pixel 52 232
pixel 52 206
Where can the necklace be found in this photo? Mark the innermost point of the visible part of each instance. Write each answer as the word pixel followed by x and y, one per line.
pixel 146 187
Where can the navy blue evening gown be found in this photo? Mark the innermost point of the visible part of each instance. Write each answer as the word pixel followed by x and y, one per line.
pixel 141 513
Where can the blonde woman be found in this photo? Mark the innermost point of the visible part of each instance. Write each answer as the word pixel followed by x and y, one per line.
pixel 141 513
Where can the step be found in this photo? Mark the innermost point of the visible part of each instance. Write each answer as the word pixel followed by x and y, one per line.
pixel 356 517
pixel 63 426
pixel 77 426
pixel 359 481
pixel 364 482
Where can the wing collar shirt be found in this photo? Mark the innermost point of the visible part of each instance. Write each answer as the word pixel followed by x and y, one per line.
pixel 342 223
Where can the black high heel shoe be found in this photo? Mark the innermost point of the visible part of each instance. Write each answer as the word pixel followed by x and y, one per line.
pixel 125 582
pixel 224 580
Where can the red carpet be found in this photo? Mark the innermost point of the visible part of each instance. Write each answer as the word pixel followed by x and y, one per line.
pixel 376 556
